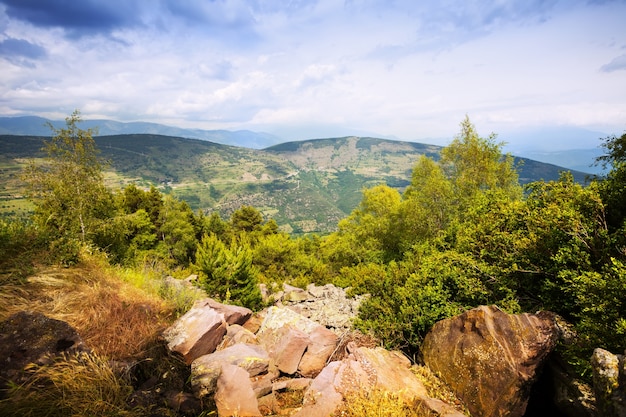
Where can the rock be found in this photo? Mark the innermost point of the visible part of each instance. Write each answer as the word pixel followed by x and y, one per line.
pixel 196 333
pixel 264 384
pixel 323 397
pixel 205 370
pixel 27 337
pixel 185 289
pixel 490 359
pixel 366 369
pixel 328 306
pixel 321 341
pixel 295 384
pixel 232 314
pixel 285 345
pixel 609 382
pixel 234 395
pixel 294 294
pixel 237 334
pixel 253 324
pixel 322 344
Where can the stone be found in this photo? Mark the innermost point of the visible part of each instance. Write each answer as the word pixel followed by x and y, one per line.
pixel 27 337
pixel 328 306
pixel 295 384
pixel 253 324
pixel 237 334
pixel 277 317
pixel 366 369
pixel 323 398
pixel 196 333
pixel 490 359
pixel 609 382
pixel 232 314
pixel 294 294
pixel 285 345
pixel 234 395
pixel 322 344
pixel 205 370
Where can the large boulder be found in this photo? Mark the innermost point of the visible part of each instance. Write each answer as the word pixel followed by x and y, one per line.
pixel 489 358
pixel 609 382
pixel 198 332
pixel 27 337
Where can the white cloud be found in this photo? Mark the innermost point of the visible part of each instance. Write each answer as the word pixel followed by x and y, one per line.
pixel 403 68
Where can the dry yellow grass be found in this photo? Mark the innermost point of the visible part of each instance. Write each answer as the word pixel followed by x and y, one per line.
pixel 114 318
pixel 117 320
pixel 379 403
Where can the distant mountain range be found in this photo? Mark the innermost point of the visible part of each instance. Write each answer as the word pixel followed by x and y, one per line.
pixel 558 146
pixel 305 186
pixel 38 126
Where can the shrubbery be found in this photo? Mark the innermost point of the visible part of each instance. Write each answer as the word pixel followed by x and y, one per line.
pixel 462 234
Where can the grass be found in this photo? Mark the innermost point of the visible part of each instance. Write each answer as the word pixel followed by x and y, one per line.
pixel 120 314
pixel 77 385
pixel 114 318
pixel 379 403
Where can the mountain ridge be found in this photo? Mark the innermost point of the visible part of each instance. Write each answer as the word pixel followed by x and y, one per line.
pixel 532 143
pixel 306 186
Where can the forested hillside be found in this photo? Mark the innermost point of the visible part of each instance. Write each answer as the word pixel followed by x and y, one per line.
pixel 304 186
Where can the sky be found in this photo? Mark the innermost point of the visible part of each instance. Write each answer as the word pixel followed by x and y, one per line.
pixel 404 69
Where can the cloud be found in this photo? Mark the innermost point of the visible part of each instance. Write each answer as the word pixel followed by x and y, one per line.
pixel 76 17
pixel 617 64
pixel 12 48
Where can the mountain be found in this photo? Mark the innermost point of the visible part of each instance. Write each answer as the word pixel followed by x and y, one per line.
pixel 38 126
pixel 305 186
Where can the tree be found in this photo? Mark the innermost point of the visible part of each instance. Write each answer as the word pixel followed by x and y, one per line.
pixel 246 219
pixel 613 186
pixel 476 164
pixel 427 203
pixel 71 200
pixel 371 230
pixel 227 273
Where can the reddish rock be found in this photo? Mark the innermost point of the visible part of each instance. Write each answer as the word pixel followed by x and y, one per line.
pixel 322 344
pixel 366 369
pixel 196 333
pixel 205 370
pixel 232 314
pixel 285 346
pixel 237 334
pixel 234 395
pixel 253 324
pixel 323 397
pixel 490 359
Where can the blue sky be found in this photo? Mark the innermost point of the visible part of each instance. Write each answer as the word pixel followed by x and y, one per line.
pixel 407 69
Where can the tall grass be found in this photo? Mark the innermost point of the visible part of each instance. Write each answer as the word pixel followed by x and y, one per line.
pixel 77 385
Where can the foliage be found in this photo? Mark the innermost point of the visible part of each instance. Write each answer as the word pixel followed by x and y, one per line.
pixel 227 273
pixel 20 246
pixel 71 201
